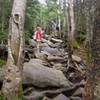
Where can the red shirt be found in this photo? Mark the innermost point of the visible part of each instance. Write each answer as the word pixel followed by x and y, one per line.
pixel 39 36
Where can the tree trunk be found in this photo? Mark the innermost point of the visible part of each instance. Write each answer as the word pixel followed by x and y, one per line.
pixel 66 21
pixel 71 29
pixel 12 89
pixel 72 21
pixel 93 82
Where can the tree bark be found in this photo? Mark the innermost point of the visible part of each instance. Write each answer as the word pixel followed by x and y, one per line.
pixel 72 21
pixel 12 89
pixel 66 21
pixel 71 28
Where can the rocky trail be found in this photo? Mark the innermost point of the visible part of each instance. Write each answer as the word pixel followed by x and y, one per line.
pixel 48 76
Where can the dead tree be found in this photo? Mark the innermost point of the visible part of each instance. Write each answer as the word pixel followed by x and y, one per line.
pixel 12 89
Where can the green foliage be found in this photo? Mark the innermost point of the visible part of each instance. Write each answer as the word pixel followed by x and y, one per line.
pixel 36 14
pixel 28 35
pixel 32 15
pixel 43 15
pixel 76 45
pixel 5 11
pixel 3 36
pixel 80 38
pixel 2 98
pixel 2 62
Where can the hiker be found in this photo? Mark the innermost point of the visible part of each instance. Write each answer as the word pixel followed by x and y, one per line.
pixel 38 36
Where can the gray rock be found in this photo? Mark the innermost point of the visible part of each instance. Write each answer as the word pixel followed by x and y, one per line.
pixel 75 98
pixel 37 74
pixel 40 55
pixel 52 51
pixel 76 58
pixel 48 42
pixel 56 40
pixel 61 97
pixel 78 92
pixel 55 58
pixel 32 42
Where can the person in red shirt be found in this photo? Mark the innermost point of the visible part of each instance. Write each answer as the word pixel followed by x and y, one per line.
pixel 38 36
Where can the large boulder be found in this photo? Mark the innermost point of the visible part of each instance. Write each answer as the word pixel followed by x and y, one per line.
pixel 39 75
pixel 61 97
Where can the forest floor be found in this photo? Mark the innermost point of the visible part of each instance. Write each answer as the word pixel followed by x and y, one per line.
pixel 82 52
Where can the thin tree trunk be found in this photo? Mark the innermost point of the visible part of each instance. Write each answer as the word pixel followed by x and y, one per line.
pixel 71 28
pixel 72 21
pixel 12 89
pixel 66 21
